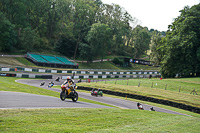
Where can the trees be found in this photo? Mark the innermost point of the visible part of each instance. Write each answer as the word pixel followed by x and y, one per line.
pixel 97 42
pixel 29 40
pixel 156 53
pixel 181 44
pixel 99 38
pixel 69 27
pixel 8 37
pixel 65 45
pixel 141 40
pixel 119 21
pixel 83 17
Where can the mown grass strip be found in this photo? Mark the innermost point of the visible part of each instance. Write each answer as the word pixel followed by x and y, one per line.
pixel 94 120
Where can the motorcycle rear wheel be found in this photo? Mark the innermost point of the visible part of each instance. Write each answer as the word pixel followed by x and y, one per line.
pixel 62 96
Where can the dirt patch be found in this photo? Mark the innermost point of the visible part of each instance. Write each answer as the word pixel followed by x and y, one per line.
pixel 10 61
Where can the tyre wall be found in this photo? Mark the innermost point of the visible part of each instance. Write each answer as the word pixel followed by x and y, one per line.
pixel 149 99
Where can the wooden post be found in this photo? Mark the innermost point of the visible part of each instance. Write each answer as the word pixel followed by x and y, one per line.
pixel 179 88
pixel 139 84
pixel 126 93
pixel 127 81
pixel 115 81
pixel 193 92
pixel 152 85
pixel 165 86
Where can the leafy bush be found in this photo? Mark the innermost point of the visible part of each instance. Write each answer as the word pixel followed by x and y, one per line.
pixel 117 61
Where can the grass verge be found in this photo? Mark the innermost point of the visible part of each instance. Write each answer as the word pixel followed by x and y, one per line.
pixel 169 94
pixel 85 119
pixel 95 120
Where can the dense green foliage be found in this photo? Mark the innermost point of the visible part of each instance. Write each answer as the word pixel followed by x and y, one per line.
pixel 7 34
pixel 90 29
pixel 179 51
pixel 86 29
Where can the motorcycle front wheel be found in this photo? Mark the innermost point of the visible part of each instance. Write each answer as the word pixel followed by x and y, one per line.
pixel 62 96
pixel 75 98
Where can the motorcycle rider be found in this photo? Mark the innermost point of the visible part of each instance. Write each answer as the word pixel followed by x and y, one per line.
pixel 51 84
pixel 68 83
pixel 139 105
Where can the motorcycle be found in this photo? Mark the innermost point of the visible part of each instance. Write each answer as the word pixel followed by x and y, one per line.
pixel 96 92
pixel 69 93
pixel 51 84
pixel 140 106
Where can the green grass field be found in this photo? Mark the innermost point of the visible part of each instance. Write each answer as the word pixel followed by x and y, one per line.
pixel 95 120
pixel 88 120
pixel 157 91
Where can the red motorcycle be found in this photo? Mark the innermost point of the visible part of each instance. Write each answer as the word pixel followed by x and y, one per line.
pixel 96 92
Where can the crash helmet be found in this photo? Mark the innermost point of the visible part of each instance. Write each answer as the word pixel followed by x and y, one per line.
pixel 68 78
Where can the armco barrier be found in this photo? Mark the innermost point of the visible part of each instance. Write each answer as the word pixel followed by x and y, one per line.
pixel 26 75
pixel 96 72
pixel 110 76
pixel 149 99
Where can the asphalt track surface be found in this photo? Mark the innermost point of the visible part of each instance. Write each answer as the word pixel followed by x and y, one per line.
pixel 17 100
pixel 23 100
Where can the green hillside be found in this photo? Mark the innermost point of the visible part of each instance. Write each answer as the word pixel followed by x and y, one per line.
pixel 20 61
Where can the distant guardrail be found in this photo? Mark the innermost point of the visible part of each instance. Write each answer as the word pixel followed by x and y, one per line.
pixel 11 55
pixel 93 72
pixel 19 75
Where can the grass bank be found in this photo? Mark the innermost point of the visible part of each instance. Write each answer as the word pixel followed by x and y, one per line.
pixel 157 91
pixel 20 61
pixel 87 120
pixel 95 120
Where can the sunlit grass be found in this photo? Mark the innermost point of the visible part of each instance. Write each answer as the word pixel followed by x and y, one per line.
pixel 95 120
pixel 157 91
pixel 87 119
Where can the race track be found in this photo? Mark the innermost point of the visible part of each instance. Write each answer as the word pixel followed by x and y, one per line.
pixel 18 100
pixel 126 104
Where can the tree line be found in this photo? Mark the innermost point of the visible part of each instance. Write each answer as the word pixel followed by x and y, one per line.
pixel 86 29
pixel 90 29
pixel 178 53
